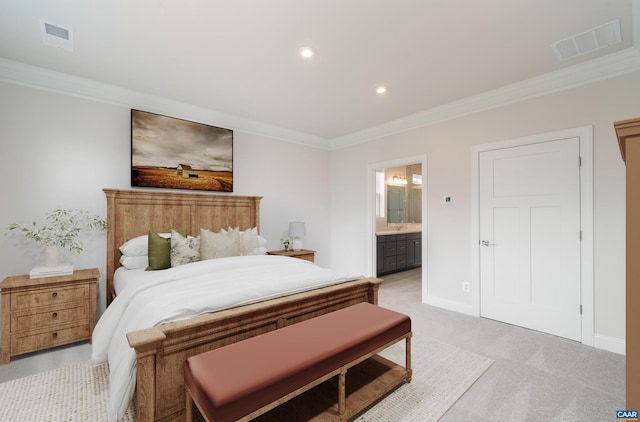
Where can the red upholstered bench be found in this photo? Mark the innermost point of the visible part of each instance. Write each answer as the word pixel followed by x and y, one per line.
pixel 244 380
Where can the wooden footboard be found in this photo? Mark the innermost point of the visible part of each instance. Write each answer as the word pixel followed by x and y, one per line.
pixel 161 351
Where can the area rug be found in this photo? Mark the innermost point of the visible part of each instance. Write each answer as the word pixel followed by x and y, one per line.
pixel 441 375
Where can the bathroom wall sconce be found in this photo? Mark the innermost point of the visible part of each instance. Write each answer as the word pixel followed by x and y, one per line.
pixel 399 180
pixel 296 231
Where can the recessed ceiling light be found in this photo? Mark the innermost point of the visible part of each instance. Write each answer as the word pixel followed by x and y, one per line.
pixel 381 89
pixel 307 52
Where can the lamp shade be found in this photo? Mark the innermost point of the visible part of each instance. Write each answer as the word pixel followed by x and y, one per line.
pixel 296 229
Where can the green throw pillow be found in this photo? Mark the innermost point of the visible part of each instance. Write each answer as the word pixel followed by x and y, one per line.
pixel 160 251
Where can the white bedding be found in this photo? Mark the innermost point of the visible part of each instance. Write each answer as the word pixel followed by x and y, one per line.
pixel 123 277
pixel 156 297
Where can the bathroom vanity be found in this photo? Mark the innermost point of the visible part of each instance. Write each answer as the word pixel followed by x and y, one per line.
pixel 398 251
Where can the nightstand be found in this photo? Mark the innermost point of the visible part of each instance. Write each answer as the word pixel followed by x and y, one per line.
pixel 46 312
pixel 301 254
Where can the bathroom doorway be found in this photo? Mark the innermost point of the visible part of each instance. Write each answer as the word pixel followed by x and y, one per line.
pixel 397 217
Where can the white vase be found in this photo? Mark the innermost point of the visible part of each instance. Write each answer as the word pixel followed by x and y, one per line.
pixel 51 256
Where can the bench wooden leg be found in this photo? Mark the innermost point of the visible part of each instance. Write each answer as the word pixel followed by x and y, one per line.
pixel 408 356
pixel 188 406
pixel 342 401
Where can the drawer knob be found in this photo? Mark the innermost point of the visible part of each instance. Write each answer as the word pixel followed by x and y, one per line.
pixel 54 335
pixel 54 294
pixel 54 315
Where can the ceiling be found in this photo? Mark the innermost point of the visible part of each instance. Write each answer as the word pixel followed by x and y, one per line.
pixel 239 59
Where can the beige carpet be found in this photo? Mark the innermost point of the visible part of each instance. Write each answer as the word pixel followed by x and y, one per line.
pixel 441 374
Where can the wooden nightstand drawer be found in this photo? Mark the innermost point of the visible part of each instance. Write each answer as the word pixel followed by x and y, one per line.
pixel 49 316
pixel 30 341
pixel 49 296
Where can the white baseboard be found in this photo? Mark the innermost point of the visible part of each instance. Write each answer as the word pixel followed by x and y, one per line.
pixel 463 308
pixel 600 341
pixel 610 344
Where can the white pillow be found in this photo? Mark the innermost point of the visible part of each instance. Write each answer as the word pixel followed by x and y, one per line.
pixel 184 250
pixel 139 246
pixel 134 262
pixel 260 250
pixel 219 245
pixel 248 241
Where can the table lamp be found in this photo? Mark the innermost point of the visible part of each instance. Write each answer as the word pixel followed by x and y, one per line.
pixel 296 230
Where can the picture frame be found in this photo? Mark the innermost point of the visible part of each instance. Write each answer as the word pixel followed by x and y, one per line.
pixel 173 153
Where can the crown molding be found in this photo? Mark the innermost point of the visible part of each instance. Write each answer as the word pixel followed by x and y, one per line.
pixel 62 83
pixel 610 66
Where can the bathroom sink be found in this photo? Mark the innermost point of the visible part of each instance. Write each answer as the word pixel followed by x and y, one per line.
pixel 393 230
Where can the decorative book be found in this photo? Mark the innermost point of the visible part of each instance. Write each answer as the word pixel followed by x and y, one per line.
pixel 51 271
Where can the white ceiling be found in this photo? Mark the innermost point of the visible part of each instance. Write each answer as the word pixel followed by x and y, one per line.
pixel 240 58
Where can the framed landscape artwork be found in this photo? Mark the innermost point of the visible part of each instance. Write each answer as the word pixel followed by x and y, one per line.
pixel 172 153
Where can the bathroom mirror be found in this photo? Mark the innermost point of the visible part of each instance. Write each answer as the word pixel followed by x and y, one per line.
pixel 396 212
pixel 414 205
pixel 399 195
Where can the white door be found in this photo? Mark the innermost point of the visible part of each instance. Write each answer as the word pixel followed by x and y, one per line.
pixel 530 236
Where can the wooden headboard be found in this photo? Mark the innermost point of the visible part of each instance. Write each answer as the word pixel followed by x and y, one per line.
pixel 132 213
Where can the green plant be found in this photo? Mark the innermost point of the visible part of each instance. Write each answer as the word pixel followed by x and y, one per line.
pixel 286 241
pixel 62 228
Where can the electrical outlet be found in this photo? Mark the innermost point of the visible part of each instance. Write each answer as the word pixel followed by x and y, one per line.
pixel 466 286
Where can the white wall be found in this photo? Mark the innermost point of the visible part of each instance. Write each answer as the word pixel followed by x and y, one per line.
pixel 60 151
pixel 448 149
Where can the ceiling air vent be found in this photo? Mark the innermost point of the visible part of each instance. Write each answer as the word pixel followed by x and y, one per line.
pixel 56 35
pixel 588 41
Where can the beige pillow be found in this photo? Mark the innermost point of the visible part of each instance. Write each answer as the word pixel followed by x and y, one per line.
pixel 219 245
pixel 248 240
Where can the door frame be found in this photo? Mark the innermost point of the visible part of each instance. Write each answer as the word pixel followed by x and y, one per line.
pixel 371 214
pixel 585 136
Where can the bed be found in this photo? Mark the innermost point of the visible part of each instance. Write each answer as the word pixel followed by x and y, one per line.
pixel 161 350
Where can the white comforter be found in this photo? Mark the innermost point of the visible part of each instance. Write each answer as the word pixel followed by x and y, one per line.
pixel 186 291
